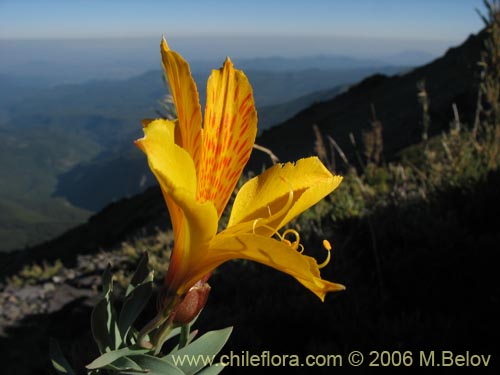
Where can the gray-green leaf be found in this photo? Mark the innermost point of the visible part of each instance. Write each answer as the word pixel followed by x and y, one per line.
pixel 141 274
pixel 132 306
pixel 200 351
pixel 110 357
pixel 156 366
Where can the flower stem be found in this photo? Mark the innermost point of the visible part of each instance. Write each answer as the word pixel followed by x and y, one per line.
pixel 161 336
pixel 183 339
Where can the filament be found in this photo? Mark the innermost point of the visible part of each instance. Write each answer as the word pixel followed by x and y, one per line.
pixel 328 248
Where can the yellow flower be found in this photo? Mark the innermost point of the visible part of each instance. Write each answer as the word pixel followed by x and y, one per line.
pixel 198 168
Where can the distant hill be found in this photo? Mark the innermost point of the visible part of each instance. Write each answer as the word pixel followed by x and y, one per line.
pixel 48 131
pixel 122 170
pixel 123 219
pixel 69 150
pixel 67 61
pixel 322 62
pixel 451 79
pixel 275 114
pixel 125 172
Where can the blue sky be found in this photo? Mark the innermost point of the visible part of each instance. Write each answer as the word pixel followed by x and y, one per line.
pixel 215 28
pixel 422 19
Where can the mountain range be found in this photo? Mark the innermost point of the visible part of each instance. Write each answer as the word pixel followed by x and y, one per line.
pixel 451 79
pixel 55 62
pixel 67 150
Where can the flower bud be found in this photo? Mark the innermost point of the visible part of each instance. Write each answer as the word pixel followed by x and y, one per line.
pixel 191 305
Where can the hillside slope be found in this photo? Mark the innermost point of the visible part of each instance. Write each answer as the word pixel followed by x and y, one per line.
pixel 449 79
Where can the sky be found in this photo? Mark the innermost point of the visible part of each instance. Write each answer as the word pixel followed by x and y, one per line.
pixel 210 29
pixel 423 19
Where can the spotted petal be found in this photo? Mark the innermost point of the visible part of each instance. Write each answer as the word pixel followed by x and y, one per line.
pixel 229 131
pixel 186 101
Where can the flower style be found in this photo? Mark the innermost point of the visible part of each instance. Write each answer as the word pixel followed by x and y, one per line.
pixel 198 168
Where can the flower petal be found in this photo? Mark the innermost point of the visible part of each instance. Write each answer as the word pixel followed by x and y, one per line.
pixel 186 100
pixel 194 223
pixel 230 127
pixel 192 244
pixel 172 165
pixel 281 193
pixel 270 252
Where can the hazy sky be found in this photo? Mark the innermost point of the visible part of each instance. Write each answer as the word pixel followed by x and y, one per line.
pixel 252 27
pixel 437 19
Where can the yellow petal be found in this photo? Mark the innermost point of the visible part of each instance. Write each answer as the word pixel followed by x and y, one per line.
pixel 160 139
pixel 186 100
pixel 270 252
pixel 281 193
pixel 174 170
pixel 230 127
pixel 172 165
pixel 194 223
pixel 191 246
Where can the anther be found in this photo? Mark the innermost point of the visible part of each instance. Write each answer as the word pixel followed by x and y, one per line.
pixel 326 245
pixel 328 248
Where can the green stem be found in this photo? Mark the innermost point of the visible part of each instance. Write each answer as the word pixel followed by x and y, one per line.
pixel 153 324
pixel 183 339
pixel 161 336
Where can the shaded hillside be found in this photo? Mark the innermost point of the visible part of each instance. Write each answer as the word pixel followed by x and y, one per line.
pixel 272 115
pixel 449 79
pixel 419 266
pixel 117 222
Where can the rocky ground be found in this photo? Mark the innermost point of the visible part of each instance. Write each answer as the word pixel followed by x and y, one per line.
pixel 80 282
pixel 31 312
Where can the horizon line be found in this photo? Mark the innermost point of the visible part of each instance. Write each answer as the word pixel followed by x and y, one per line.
pixel 233 36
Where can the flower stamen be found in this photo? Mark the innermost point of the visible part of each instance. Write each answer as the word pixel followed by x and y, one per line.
pixel 328 248
pixel 293 244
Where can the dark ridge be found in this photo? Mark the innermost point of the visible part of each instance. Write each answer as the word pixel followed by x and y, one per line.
pixel 453 78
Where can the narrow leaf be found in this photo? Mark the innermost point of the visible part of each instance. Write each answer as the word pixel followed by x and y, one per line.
pixel 110 357
pixel 141 273
pixel 58 360
pixel 107 281
pixel 125 364
pixel 99 326
pixel 104 326
pixel 132 306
